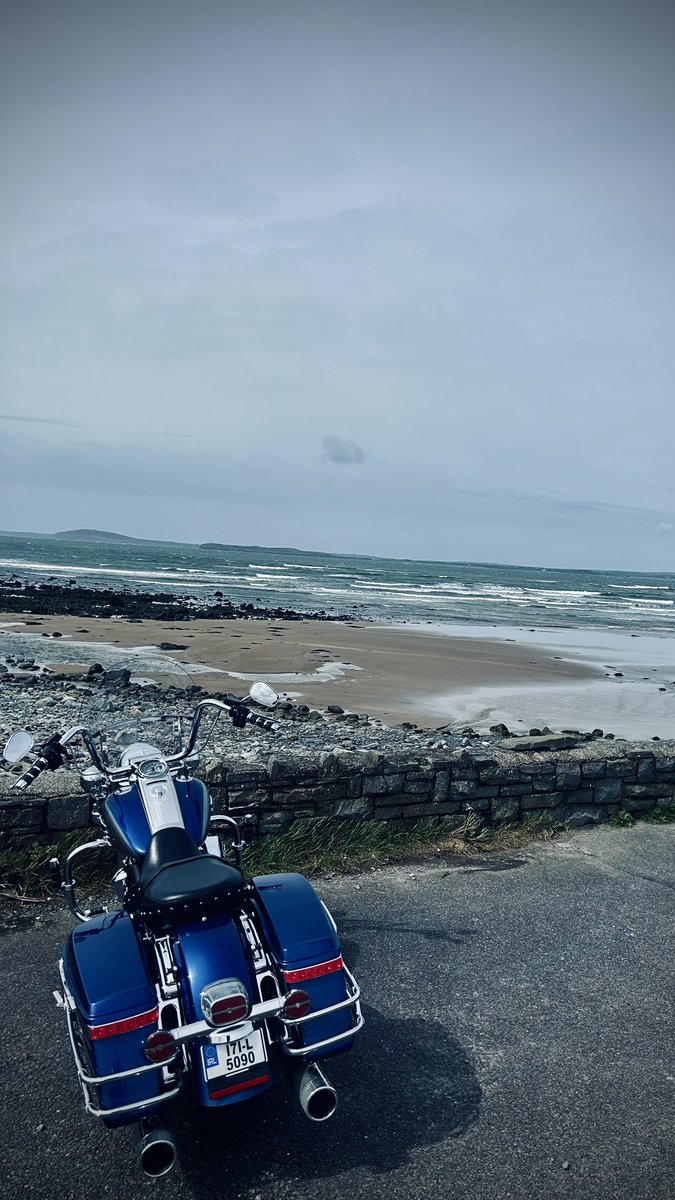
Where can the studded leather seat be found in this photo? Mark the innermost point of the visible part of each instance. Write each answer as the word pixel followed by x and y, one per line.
pixel 176 877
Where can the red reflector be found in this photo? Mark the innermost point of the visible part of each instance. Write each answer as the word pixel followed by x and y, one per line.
pixel 229 1009
pixel 296 1005
pixel 160 1046
pixel 239 1087
pixel 127 1025
pixel 305 973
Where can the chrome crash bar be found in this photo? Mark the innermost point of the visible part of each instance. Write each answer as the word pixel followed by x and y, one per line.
pixel 89 1081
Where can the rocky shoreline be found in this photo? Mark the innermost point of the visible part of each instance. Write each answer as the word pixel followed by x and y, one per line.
pixel 34 698
pixel 42 701
pixel 72 599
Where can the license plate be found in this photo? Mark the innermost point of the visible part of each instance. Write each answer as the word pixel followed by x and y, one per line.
pixel 233 1058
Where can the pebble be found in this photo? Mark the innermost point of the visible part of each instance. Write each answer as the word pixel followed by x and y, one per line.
pixel 103 698
pixel 34 703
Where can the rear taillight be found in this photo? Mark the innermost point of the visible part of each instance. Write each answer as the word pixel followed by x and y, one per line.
pixel 225 1002
pixel 296 1005
pixel 160 1047
pixel 304 974
pixel 126 1025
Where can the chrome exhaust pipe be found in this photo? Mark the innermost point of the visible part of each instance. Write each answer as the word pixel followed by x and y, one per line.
pixel 157 1150
pixel 318 1098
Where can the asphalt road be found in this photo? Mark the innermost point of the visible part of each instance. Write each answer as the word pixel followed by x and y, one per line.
pixel 520 1043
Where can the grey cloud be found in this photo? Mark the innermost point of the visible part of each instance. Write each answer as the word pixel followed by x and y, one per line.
pixel 342 451
pixel 39 420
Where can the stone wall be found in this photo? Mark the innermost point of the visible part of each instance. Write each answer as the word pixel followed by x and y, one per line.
pixel 589 783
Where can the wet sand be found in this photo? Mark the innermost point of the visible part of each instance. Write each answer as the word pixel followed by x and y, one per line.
pixel 389 672
pixel 432 675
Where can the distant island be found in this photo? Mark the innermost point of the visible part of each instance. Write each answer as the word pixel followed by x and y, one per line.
pixel 106 535
pixel 92 535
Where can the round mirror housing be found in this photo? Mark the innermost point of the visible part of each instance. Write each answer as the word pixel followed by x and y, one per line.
pixel 263 694
pixel 17 746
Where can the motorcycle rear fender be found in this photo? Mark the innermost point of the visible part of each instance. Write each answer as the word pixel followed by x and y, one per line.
pixel 300 934
pixel 106 974
pixel 205 952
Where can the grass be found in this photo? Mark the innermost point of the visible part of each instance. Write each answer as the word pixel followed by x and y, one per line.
pixel 331 844
pixel 622 820
pixel 24 866
pixel 328 844
pixel 660 816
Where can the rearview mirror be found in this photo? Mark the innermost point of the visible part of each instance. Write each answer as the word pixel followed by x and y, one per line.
pixel 263 694
pixel 18 746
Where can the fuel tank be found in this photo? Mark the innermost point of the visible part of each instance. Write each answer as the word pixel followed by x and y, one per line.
pixel 126 819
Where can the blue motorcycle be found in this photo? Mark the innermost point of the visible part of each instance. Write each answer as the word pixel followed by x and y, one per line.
pixel 200 976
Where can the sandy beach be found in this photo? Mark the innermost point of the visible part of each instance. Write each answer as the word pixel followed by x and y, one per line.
pixel 429 675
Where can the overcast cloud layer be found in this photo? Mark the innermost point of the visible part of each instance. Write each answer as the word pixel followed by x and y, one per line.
pixel 389 278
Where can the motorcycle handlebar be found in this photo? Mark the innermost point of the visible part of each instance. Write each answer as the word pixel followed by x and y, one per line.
pixel 52 753
pixel 231 705
pixel 262 722
pixel 37 767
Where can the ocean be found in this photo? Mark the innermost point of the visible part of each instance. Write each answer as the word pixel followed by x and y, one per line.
pixel 382 589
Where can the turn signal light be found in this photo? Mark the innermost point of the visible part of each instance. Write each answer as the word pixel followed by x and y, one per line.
pixel 296 1005
pixel 160 1047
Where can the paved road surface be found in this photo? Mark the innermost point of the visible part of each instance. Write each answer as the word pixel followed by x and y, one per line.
pixel 519 1019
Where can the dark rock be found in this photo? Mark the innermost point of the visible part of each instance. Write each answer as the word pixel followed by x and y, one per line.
pixel 171 646
pixel 119 677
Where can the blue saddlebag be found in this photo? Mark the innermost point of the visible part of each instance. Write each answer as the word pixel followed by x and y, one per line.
pixel 115 1011
pixel 304 943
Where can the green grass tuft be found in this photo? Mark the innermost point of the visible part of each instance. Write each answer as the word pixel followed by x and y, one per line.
pixel 622 820
pixel 660 816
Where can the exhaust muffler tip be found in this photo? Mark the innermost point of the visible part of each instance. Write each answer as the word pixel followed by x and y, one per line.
pixel 318 1098
pixel 157 1152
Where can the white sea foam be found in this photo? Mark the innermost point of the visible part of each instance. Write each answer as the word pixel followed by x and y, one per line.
pixel 326 673
pixel 148 659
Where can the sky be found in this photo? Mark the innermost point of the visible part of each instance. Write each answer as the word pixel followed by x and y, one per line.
pixel 392 278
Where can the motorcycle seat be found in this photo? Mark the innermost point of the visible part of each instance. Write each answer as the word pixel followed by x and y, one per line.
pixel 176 875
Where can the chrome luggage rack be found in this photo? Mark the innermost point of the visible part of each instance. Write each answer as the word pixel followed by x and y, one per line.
pixel 202 1029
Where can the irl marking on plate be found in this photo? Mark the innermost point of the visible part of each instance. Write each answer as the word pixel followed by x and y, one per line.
pixel 210 1056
